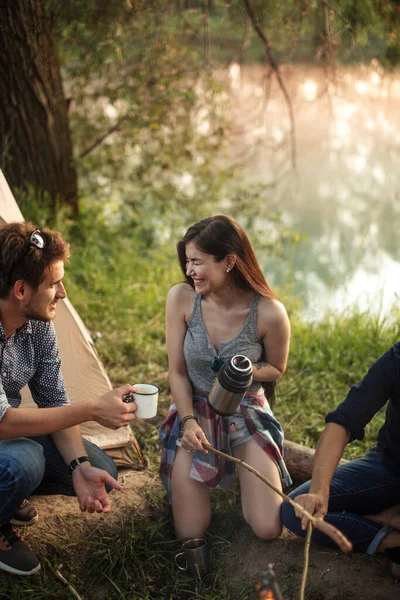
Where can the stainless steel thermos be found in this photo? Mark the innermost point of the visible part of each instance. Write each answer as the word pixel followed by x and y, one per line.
pixel 233 380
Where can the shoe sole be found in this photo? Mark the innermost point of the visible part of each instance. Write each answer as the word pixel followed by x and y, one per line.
pixel 17 571
pixel 20 523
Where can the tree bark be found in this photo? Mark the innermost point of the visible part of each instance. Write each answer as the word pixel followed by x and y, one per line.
pixel 35 142
pixel 299 460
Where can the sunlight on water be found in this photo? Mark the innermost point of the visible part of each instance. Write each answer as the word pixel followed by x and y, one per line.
pixel 365 291
pixel 309 89
pixel 344 197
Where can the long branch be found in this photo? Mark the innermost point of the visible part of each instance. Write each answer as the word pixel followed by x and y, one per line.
pixel 206 33
pixel 306 561
pixel 339 14
pixel 326 528
pixel 101 139
pixel 275 67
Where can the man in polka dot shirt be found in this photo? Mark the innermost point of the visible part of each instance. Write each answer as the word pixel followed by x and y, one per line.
pixel 42 451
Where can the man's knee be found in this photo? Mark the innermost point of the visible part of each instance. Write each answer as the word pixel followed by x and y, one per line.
pixel 288 515
pixel 111 467
pixel 100 459
pixel 22 463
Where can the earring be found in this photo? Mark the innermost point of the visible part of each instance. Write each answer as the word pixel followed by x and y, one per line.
pixel 228 269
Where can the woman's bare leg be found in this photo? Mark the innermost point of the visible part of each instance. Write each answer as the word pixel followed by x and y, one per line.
pixel 260 504
pixel 190 499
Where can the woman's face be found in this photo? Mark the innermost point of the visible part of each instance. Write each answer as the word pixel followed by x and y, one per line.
pixel 208 275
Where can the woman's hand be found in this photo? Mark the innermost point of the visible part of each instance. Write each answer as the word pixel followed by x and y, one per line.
pixel 193 437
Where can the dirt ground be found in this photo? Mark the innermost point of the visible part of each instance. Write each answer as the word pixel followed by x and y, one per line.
pixel 331 575
pixel 61 520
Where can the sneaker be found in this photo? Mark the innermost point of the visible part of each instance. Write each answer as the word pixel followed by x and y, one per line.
pixel 26 514
pixel 15 556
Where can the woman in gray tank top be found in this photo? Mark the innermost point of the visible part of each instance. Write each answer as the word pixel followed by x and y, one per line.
pixel 225 307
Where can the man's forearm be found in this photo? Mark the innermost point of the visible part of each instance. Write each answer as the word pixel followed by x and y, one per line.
pixel 27 422
pixel 69 443
pixel 327 456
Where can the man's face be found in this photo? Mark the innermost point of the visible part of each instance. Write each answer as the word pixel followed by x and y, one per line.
pixel 41 304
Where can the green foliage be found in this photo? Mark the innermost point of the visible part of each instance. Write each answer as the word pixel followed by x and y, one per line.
pixel 326 359
pixel 142 115
pixel 147 112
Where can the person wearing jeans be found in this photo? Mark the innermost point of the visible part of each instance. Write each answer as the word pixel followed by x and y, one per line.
pixel 362 496
pixel 42 451
pixel 36 467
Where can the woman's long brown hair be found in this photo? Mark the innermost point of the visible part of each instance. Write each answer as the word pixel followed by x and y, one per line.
pixel 220 236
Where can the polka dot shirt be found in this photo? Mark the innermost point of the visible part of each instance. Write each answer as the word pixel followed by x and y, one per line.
pixel 30 356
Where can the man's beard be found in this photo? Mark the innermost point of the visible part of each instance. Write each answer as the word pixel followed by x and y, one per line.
pixel 31 312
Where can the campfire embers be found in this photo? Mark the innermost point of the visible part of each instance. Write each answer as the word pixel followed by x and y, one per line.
pixel 268 589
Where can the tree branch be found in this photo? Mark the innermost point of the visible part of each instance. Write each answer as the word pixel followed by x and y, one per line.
pixel 335 534
pixel 275 68
pixel 101 139
pixel 335 10
pixel 240 52
pixel 206 33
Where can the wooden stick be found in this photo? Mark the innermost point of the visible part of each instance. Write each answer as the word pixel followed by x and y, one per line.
pixel 73 591
pixel 306 557
pixel 326 528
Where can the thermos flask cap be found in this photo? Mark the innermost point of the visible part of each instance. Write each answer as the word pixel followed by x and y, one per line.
pixel 236 375
pixel 233 381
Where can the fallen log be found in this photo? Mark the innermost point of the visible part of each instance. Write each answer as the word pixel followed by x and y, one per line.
pixel 299 460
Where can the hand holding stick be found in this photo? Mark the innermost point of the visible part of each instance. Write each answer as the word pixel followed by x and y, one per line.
pixel 335 535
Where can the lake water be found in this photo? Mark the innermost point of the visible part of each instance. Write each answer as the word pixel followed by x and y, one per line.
pixel 343 197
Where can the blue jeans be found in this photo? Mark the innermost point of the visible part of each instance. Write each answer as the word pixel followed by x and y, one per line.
pixel 35 466
pixel 361 487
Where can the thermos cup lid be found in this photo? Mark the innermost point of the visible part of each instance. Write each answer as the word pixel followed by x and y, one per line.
pixel 241 363
pixel 233 381
pixel 236 375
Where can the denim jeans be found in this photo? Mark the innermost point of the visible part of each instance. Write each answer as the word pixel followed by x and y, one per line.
pixel 35 466
pixel 361 487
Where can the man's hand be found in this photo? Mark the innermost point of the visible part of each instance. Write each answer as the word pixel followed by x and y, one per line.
pixel 89 485
pixel 109 410
pixel 315 504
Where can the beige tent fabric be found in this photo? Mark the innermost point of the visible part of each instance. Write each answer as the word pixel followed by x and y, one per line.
pixel 9 210
pixel 84 374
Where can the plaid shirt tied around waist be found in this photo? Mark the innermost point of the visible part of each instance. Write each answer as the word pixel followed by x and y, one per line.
pixel 210 468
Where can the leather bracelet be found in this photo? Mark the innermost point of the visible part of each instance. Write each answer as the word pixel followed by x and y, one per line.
pixel 76 462
pixel 187 418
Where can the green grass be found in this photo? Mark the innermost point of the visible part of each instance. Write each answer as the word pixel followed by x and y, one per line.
pixel 119 286
pixel 326 359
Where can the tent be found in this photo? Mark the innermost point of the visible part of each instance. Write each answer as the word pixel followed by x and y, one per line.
pixel 85 376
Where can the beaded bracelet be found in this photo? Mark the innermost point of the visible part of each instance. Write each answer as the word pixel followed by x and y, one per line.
pixel 187 418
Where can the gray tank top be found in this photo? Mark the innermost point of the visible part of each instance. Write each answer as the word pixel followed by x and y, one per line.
pixel 199 351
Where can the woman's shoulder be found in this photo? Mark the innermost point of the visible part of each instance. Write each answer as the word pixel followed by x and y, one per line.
pixel 181 290
pixel 272 311
pixel 181 295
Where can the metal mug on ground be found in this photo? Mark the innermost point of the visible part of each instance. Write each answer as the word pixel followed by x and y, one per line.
pixel 195 552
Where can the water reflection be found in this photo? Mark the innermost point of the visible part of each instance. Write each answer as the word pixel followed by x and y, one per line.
pixel 345 194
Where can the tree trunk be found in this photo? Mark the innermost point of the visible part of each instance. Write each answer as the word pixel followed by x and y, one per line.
pixel 35 142
pixel 299 460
